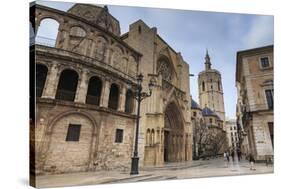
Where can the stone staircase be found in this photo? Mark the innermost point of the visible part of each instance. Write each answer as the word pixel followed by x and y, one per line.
pixel 140 178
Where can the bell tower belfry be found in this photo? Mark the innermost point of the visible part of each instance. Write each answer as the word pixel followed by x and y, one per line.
pixel 210 89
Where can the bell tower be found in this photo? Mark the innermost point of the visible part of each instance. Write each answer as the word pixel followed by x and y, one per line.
pixel 210 89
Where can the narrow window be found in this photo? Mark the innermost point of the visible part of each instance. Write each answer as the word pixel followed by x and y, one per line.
pixel 219 87
pixel 264 62
pixel 269 98
pixel 113 97
pixel 119 136
pixel 129 102
pixel 194 114
pixel 203 86
pixel 41 74
pixel 139 29
pixel 211 120
pixel 73 132
pixel 94 91
pixel 270 127
pixel 148 137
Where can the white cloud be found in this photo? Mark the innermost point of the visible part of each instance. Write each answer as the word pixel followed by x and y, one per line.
pixel 261 32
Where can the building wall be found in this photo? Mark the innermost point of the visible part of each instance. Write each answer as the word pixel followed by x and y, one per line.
pixel 91 49
pixel 255 114
pixel 97 148
pixel 232 133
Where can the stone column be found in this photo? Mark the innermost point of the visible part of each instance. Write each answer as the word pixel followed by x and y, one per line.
pixel 82 88
pixel 105 94
pixel 63 37
pixel 122 99
pixel 51 82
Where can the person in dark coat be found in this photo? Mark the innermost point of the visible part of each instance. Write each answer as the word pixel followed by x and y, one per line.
pixel 252 162
pixel 239 154
pixel 232 155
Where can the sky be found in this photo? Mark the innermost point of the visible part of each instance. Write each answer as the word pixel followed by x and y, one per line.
pixel 192 32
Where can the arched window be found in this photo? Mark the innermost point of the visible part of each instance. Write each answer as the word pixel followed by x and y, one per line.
pixel 47 32
pixel 113 97
pixel 41 74
pixel 152 137
pixel 203 86
pixel 94 91
pixel 129 104
pixel 67 85
pixel 147 137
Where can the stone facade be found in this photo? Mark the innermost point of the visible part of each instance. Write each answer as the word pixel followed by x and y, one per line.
pixel 254 82
pixel 86 81
pixel 165 116
pixel 232 133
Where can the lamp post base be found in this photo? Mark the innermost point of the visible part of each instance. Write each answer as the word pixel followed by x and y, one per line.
pixel 135 166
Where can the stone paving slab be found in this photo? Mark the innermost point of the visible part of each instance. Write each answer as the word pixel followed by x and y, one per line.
pixel 186 170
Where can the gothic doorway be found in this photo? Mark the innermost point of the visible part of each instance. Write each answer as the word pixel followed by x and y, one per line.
pixel 166 145
pixel 174 147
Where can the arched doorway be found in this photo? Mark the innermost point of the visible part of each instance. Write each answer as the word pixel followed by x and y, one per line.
pixel 72 140
pixel 173 134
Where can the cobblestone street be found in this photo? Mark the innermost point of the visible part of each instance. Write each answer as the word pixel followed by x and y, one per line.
pixel 194 169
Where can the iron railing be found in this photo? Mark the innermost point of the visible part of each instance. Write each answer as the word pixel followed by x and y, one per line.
pixel 41 40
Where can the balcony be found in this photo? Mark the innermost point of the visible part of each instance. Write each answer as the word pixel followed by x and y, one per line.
pixel 40 40
pixel 65 95
pixel 94 100
pixel 257 107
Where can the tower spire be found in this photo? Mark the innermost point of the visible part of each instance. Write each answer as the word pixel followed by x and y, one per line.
pixel 207 61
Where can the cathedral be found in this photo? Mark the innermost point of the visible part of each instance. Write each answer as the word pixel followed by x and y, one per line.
pixel 85 117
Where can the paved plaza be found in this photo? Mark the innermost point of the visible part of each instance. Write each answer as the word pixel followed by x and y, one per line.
pixel 193 169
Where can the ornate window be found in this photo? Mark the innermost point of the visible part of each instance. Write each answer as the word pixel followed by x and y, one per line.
pixel 164 68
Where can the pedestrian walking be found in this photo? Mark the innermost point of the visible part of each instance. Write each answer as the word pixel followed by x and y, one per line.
pixel 225 159
pixel 252 162
pixel 239 154
pixel 232 155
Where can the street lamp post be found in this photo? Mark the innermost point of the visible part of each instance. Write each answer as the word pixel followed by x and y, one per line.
pixel 139 96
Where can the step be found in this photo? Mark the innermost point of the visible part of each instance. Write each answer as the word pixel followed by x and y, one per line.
pixel 128 179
